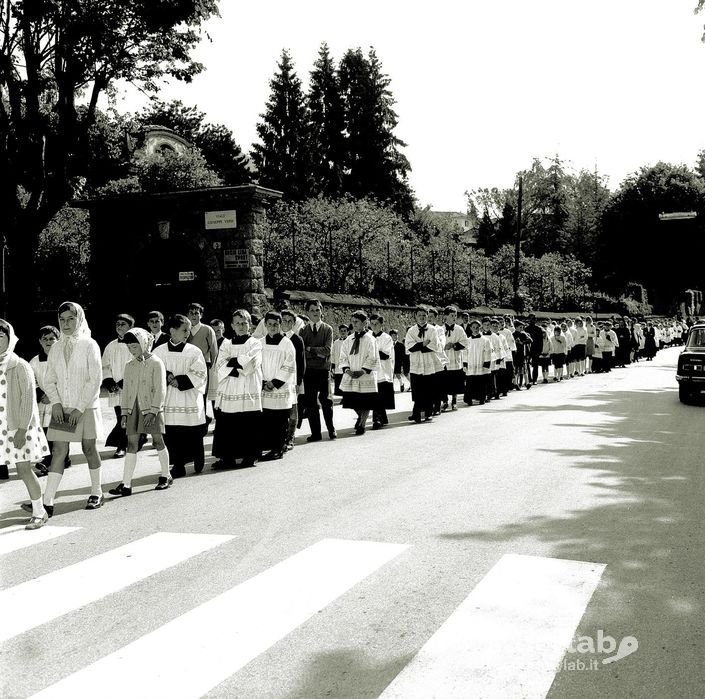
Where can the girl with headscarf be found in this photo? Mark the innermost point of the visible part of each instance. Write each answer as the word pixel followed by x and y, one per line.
pixel 73 386
pixel 22 440
pixel 142 407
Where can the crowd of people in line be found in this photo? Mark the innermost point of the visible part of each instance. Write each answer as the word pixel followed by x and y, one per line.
pixel 170 380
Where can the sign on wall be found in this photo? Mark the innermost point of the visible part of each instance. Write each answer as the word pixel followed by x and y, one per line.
pixel 220 219
pixel 236 258
pixel 186 276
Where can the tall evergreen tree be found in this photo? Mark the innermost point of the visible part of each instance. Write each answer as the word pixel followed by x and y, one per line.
pixel 326 126
pixel 375 166
pixel 282 156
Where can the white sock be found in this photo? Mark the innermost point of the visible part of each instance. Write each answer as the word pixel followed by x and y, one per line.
pixel 129 469
pixel 53 480
pixel 37 508
pixel 96 488
pixel 163 455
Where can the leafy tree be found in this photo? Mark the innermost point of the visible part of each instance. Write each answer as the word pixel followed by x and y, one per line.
pixel 635 244
pixel 282 156
pixel 215 141
pixel 55 52
pixel 375 165
pixel 326 126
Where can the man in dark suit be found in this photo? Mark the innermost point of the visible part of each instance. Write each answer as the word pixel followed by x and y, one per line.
pixel 317 337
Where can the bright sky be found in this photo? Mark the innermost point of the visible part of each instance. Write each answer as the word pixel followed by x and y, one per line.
pixel 482 86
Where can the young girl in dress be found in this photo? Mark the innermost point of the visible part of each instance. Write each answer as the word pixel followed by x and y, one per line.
pixel 22 440
pixel 142 407
pixel 73 381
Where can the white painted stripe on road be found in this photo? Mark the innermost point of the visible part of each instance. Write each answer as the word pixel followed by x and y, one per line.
pixel 508 636
pixel 17 537
pixel 219 637
pixel 32 603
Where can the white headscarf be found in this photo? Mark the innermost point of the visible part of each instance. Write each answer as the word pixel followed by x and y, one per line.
pixel 4 361
pixel 144 337
pixel 68 342
pixel 12 342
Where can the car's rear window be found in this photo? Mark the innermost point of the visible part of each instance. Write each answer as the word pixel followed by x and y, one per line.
pixel 696 339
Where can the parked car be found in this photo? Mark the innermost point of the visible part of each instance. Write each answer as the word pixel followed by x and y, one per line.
pixel 691 364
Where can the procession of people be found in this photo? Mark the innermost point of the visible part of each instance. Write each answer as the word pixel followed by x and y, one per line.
pixel 260 382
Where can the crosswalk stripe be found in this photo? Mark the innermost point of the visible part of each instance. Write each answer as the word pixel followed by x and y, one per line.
pixel 222 635
pixel 17 537
pixel 28 605
pixel 508 636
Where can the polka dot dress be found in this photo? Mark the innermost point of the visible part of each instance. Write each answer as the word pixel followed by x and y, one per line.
pixel 35 447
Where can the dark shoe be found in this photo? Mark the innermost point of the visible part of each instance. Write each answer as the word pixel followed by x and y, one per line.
pixel 290 445
pixel 27 507
pixel 95 501
pixel 67 463
pixel 164 482
pixel 4 473
pixel 119 453
pixel 359 430
pixel 411 418
pixel 41 469
pixel 444 407
pixel 377 425
pixel 178 471
pixel 436 413
pixel 314 438
pixel 275 455
pixel 198 468
pixel 247 463
pixel 332 434
pixel 121 491
pixel 429 418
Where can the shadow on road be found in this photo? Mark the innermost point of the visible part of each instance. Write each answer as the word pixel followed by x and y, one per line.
pixel 649 465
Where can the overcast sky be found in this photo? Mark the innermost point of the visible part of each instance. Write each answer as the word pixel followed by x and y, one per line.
pixel 482 86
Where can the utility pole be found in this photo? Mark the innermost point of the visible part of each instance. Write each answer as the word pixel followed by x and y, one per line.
pixel 293 254
pixel 330 257
pixel 517 242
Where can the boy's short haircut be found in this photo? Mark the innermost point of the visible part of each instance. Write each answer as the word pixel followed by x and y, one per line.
pixel 342 326
pixel 176 321
pixel 486 319
pixel 273 315
pixel 449 309
pixel 432 310
pixel 288 313
pixel 216 321
pixel 195 307
pixel 359 315
pixel 313 302
pixel 475 321
pixel 127 318
pixel 155 314
pixel 49 330
pixel 241 313
pixel 377 316
pixel 420 309
pixel 393 331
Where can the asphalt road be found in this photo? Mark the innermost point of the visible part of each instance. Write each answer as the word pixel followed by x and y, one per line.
pixel 454 595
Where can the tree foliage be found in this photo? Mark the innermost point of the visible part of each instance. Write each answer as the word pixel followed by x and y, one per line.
pixel 339 138
pixel 56 55
pixel 282 156
pixel 215 141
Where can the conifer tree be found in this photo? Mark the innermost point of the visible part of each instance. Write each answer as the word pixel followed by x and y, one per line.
pixel 326 126
pixel 282 156
pixel 374 164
